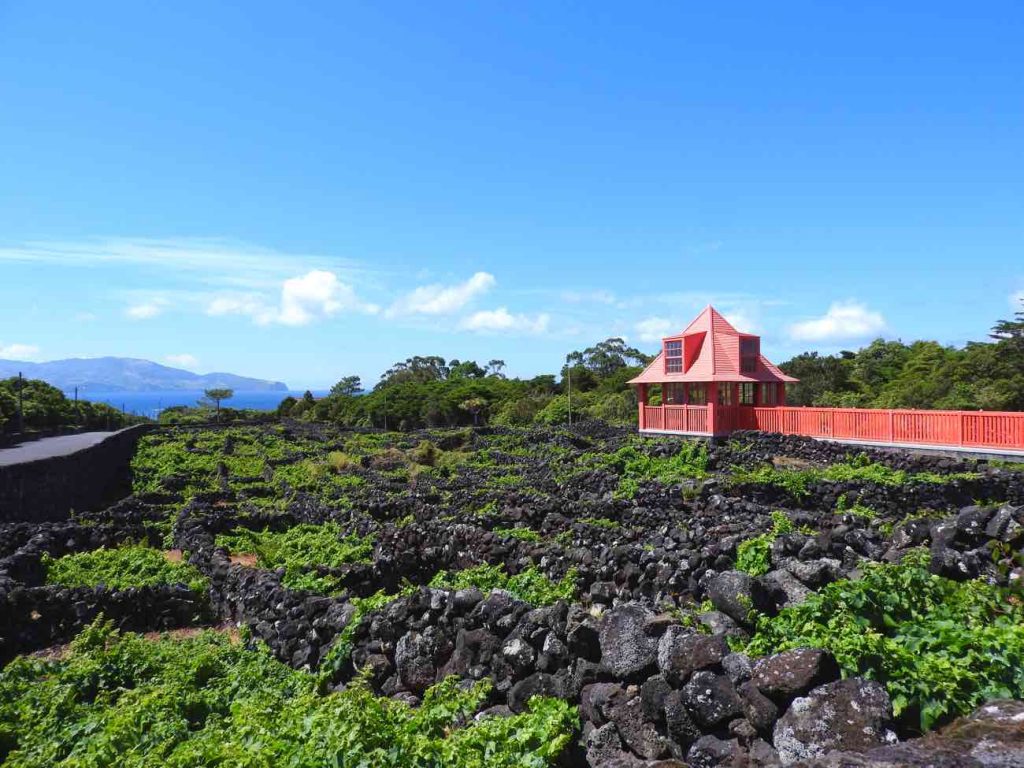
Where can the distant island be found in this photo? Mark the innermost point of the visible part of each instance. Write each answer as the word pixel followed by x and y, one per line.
pixel 126 374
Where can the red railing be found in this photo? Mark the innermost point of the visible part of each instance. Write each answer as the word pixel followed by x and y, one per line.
pixel 676 418
pixel 976 429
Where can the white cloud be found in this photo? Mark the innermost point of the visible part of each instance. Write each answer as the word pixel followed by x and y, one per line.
pixel 182 361
pixel 653 328
pixel 214 260
pixel 19 352
pixel 844 320
pixel 1017 301
pixel 742 321
pixel 84 317
pixel 500 320
pixel 440 299
pixel 144 311
pixel 313 296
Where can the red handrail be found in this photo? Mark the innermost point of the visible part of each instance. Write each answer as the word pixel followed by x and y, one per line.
pixel 976 429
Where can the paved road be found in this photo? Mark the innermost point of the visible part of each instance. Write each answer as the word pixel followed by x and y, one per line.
pixel 49 447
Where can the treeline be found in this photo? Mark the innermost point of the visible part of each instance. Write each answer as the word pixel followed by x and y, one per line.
pixel 46 407
pixel 432 392
pixel 924 374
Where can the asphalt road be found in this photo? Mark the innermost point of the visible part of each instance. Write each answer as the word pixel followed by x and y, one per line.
pixel 49 447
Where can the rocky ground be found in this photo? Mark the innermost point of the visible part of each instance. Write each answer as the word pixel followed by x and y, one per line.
pixel 638 596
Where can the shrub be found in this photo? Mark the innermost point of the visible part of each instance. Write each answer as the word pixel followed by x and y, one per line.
pixel 426 453
pixel 754 556
pixel 204 701
pixel 130 565
pixel 798 482
pixel 941 647
pixel 522 534
pixel 300 550
pixel 600 522
pixel 530 585
pixel 340 461
pixel 635 467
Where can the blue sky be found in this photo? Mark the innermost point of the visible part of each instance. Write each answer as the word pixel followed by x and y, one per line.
pixel 301 191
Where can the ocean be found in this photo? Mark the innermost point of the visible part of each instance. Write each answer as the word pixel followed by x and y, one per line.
pixel 151 403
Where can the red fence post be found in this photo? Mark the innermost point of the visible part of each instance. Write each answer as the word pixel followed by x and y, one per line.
pixel 712 408
pixel 641 399
pixel 960 429
pixel 892 428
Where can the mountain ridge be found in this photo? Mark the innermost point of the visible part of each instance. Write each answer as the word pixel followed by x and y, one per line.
pixel 131 374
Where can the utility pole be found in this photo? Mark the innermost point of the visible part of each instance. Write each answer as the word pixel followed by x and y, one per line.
pixel 385 410
pixel 568 373
pixel 78 415
pixel 21 404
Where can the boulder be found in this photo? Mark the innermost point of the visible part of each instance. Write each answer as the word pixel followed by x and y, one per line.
pixel 710 752
pixel 641 736
pixel 794 672
pixel 414 663
pixel 537 684
pixel 852 715
pixel 604 748
pixel 682 651
pixel 737 595
pixel 678 722
pixel 627 651
pixel 711 699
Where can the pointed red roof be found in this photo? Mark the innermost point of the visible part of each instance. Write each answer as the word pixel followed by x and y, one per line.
pixel 711 352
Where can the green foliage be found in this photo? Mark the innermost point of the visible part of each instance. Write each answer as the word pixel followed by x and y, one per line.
pixel 797 482
pixel 600 522
pixel 923 374
pixel 635 466
pixel 941 647
pixel 341 648
pixel 522 534
pixel 530 585
pixel 203 701
pixel 46 407
pixel 754 556
pixel 130 565
pixel 300 550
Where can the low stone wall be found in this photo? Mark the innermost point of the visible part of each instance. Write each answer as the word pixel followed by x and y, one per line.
pixel 92 478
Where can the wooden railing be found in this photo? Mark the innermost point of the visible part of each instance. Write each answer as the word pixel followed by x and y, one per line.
pixel 976 429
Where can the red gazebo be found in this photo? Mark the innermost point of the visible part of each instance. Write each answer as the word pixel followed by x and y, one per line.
pixel 711 377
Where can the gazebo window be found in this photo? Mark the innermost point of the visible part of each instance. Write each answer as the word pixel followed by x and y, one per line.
pixel 747 393
pixel 674 392
pixel 769 393
pixel 725 394
pixel 748 355
pixel 673 357
pixel 698 394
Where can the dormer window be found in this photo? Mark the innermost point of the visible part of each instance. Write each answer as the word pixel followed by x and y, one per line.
pixel 673 357
pixel 749 353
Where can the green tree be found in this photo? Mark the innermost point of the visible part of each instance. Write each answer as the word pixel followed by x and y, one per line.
pixel 474 406
pixel 348 386
pixel 217 395
pixel 818 376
